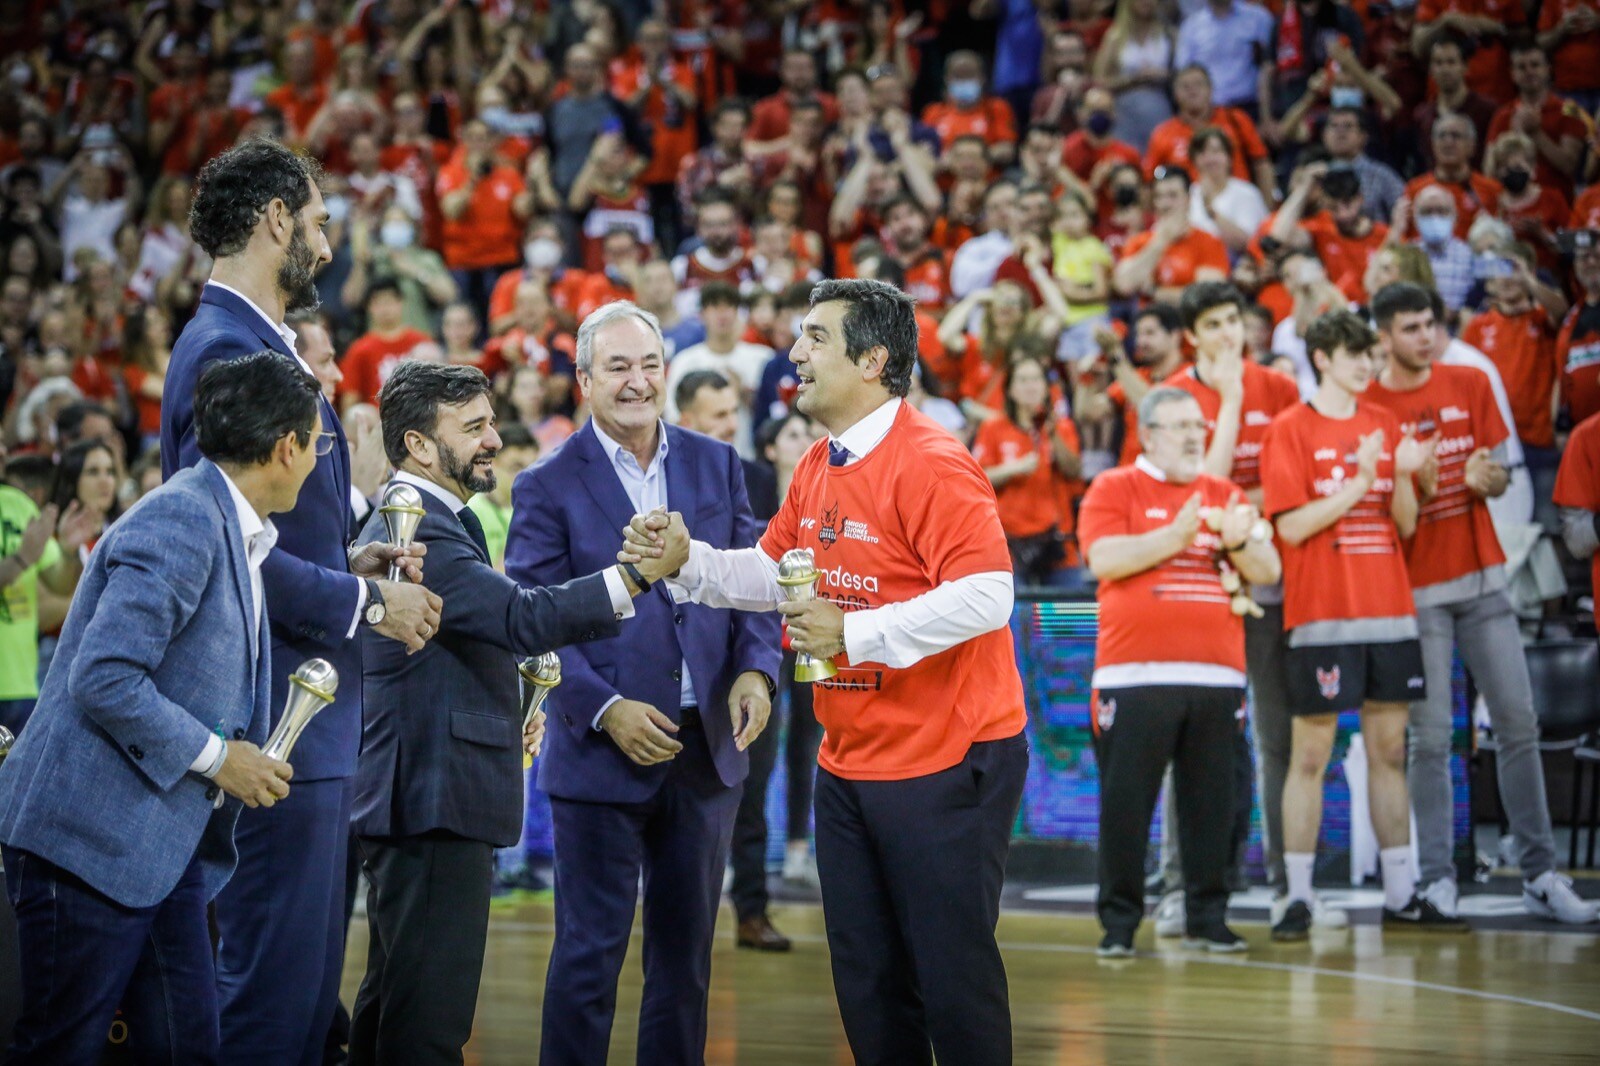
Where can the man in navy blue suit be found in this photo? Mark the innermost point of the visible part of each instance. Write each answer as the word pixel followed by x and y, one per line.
pixel 115 834
pixel 646 747
pixel 259 214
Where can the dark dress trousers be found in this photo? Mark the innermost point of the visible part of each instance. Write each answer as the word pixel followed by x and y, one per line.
pixel 439 784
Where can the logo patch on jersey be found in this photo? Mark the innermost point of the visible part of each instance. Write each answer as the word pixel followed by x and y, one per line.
pixel 1328 682
pixel 1453 414
pixel 858 531
pixel 1414 683
pixel 1257 418
pixel 1105 712
pixel 830 527
pixel 1322 455
pixel 1155 512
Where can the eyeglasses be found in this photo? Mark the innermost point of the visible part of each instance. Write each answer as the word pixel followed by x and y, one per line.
pixel 1196 426
pixel 322 442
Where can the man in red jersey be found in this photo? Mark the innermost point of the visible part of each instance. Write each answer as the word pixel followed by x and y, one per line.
pixel 924 758
pixel 1238 399
pixel 1169 663
pixel 1337 481
pixel 1458 583
pixel 1578 494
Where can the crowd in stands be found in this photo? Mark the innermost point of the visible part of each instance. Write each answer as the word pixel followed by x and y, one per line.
pixel 1044 177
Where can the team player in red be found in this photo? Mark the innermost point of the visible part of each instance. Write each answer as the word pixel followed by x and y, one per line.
pixel 1578 494
pixel 1458 583
pixel 922 765
pixel 1169 672
pixel 1337 481
pixel 1239 399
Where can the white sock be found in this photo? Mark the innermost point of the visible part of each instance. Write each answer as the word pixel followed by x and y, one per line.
pixel 1297 868
pixel 1399 878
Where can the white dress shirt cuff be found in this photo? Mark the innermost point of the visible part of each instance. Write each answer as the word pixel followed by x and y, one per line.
pixel 621 602
pixel 604 707
pixel 361 608
pixel 211 757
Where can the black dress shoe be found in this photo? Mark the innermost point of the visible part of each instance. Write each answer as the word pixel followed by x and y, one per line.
pixel 758 933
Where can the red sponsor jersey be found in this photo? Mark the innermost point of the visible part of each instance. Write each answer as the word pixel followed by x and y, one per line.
pixel 1523 348
pixel 1353 569
pixel 915 512
pixel 1578 357
pixel 1028 505
pixel 1267 394
pixel 1455 534
pixel 1177 611
pixel 1578 479
pixel 369 361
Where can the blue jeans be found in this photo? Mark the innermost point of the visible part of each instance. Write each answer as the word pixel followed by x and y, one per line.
pixel 83 954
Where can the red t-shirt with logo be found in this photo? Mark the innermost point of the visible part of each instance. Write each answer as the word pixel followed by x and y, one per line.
pixel 1184 258
pixel 1578 356
pixel 1523 348
pixel 1266 395
pixel 488 233
pixel 1578 479
pixel 1345 257
pixel 1455 534
pixel 1028 505
pixel 1353 569
pixel 369 361
pixel 1176 611
pixel 915 512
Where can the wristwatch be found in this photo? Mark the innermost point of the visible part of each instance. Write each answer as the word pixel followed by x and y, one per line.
pixel 1260 532
pixel 376 611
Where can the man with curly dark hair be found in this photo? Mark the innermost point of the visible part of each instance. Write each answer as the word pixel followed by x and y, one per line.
pixel 259 213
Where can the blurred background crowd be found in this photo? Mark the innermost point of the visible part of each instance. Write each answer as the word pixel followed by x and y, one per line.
pixel 1044 177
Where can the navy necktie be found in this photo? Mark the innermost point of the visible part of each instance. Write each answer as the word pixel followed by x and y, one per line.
pixel 474 528
pixel 838 454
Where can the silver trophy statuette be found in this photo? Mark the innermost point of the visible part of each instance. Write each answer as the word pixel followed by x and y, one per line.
pixel 7 738
pixel 401 510
pixel 311 688
pixel 540 675
pixel 797 573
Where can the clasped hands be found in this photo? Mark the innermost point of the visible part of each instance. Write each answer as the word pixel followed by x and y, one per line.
pixel 411 611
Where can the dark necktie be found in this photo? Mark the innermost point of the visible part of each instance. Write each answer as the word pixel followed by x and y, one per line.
pixel 474 528
pixel 838 454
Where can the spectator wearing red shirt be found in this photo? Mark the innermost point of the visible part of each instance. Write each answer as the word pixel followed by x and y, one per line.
pixel 1029 454
pixel 1535 210
pixel 1171 254
pixel 798 74
pixel 1577 493
pixel 417 155
pixel 1558 127
pixel 966 109
pixel 906 224
pixel 1578 346
pixel 1169 144
pixel 1484 24
pixel 661 91
pixel 1458 583
pixel 373 356
pixel 213 126
pixel 1453 95
pixel 302 94
pixel 1570 31
pixel 1169 678
pixel 485 204
pixel 1454 143
pixel 1343 237
pixel 1337 477
pixel 719 257
pixel 1091 152
pixel 722 164
pixel 176 94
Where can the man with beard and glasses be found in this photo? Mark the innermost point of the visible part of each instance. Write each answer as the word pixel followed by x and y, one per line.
pixel 259 214
pixel 440 781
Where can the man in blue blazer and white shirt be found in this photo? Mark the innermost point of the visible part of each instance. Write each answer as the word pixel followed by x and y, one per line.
pixel 158 697
pixel 440 781
pixel 258 212
pixel 645 757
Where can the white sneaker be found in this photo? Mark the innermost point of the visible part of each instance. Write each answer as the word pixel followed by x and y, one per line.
pixel 1444 896
pixel 1327 917
pixel 1170 915
pixel 800 868
pixel 1550 895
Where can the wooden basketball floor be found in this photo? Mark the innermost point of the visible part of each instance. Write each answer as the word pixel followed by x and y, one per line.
pixel 1354 997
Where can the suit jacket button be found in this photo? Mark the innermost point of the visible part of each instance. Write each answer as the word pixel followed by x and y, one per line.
pixel 136 751
pixel 677 619
pixel 211 793
pixel 677 675
pixel 567 718
pixel 238 734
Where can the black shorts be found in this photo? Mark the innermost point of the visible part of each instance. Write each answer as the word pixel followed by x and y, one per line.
pixel 1329 678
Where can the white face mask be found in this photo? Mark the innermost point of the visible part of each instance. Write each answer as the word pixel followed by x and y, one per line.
pixel 542 253
pixel 397 233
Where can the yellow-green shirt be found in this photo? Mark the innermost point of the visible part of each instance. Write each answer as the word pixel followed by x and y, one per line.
pixel 19 601
pixel 496 523
pixel 1075 260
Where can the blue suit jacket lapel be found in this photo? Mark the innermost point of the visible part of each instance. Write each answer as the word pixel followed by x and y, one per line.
pixel 601 480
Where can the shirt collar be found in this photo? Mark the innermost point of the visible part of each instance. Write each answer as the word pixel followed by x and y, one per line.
pixel 438 492
pixel 616 451
pixel 867 434
pixel 1150 468
pixel 258 533
pixel 277 327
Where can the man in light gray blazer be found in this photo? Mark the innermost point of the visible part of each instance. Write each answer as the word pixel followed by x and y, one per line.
pixel 154 705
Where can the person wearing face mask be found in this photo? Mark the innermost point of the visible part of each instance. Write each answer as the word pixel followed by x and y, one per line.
pixel 1093 152
pixel 542 255
pixel 1557 126
pixel 966 109
pixel 1448 255
pixel 1454 140
pixel 1534 210
pixel 1127 215
pixel 426 286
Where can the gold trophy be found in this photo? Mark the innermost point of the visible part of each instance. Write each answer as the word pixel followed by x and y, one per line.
pixel 540 675
pixel 402 511
pixel 311 688
pixel 797 573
